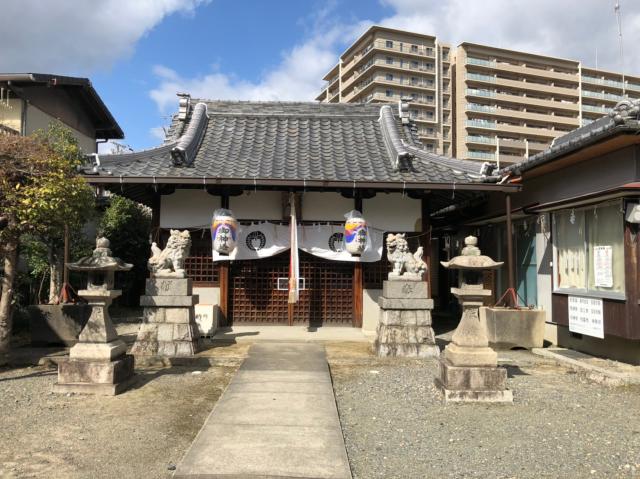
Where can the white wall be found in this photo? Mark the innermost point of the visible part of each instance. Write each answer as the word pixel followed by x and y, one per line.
pixel 392 212
pixel 370 310
pixel 317 206
pixel 257 205
pixel 187 209
pixel 544 270
pixel 39 120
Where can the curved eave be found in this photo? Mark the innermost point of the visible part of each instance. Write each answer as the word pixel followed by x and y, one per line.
pixel 295 183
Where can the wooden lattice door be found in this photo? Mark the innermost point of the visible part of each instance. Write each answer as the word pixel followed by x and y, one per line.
pixel 253 290
pixel 327 297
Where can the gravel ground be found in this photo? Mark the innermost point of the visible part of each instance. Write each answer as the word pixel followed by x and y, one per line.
pixel 395 425
pixel 138 434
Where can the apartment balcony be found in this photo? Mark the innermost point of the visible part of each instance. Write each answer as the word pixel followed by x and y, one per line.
pixel 489 125
pixel 424 134
pixel 478 92
pixel 323 96
pixel 523 70
pixel 424 119
pixel 602 81
pixel 530 131
pixel 522 145
pixel 522 115
pixel 394 67
pixel 521 85
pixel 521 100
pixel 596 109
pixel 381 46
pixel 481 155
pixel 482 140
pixel 602 96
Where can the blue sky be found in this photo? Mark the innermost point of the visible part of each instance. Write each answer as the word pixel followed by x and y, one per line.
pixel 246 40
pixel 139 53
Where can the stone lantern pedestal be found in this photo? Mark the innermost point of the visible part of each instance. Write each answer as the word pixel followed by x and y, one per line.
pixel 469 369
pixel 98 363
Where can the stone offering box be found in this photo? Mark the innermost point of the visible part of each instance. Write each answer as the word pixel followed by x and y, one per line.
pixel 509 328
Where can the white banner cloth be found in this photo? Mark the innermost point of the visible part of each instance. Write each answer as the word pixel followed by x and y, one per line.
pixel 258 240
pixel 327 241
pixel 261 240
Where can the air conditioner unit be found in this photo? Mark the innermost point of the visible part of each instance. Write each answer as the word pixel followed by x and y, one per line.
pixel 633 213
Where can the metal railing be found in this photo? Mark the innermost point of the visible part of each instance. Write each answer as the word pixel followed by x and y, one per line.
pixel 483 108
pixel 480 123
pixel 487 140
pixel 476 92
pixel 479 61
pixel 479 77
pixel 604 96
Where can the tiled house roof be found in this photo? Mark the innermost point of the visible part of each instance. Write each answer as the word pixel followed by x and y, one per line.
pixel 278 141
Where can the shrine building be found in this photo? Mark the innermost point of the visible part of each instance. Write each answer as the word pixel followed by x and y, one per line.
pixel 249 157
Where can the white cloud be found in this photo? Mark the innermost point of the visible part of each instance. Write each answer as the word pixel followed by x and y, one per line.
pixel 298 76
pixel 77 35
pixel 566 28
pixel 571 29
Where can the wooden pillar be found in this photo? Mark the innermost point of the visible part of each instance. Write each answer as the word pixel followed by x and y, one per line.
pixel 426 237
pixel 358 286
pixel 224 278
pixel 510 263
pixel 155 218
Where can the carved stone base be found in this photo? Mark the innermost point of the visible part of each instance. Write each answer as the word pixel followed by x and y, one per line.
pixel 169 328
pixel 473 384
pixel 404 327
pixel 87 376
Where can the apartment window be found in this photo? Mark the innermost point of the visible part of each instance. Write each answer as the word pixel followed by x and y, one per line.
pixel 589 250
pixel 414 48
pixel 430 114
pixel 430 82
pixel 429 66
pixel 389 93
pixel 414 96
pixel 389 44
pixel 389 60
pixel 414 64
pixel 414 81
pixel 389 77
pixel 429 51
pixel 429 146
pixel 429 97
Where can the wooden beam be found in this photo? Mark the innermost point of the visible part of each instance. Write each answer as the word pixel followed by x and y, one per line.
pixel 358 292
pixel 224 293
pixel 425 207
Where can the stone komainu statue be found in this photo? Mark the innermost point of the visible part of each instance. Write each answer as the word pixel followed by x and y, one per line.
pixel 405 264
pixel 169 262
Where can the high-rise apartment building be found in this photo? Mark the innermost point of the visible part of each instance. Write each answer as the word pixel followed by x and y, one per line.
pixel 475 101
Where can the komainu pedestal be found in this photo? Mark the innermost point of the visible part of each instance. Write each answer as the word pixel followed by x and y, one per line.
pixel 169 328
pixel 404 328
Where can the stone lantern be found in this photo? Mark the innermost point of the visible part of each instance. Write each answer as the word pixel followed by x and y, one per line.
pixel 98 363
pixel 469 369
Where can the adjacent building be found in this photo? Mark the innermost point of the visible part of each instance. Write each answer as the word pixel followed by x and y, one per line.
pixel 475 102
pixel 31 101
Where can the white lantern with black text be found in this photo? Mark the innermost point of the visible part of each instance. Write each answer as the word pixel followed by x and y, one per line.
pixel 224 231
pixel 355 233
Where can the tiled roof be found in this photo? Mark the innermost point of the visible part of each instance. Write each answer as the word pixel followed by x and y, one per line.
pixel 624 118
pixel 292 141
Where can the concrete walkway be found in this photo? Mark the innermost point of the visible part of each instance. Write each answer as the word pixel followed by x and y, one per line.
pixel 277 419
pixel 291 333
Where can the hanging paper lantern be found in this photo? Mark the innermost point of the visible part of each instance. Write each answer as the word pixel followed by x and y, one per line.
pixel 224 231
pixel 355 233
